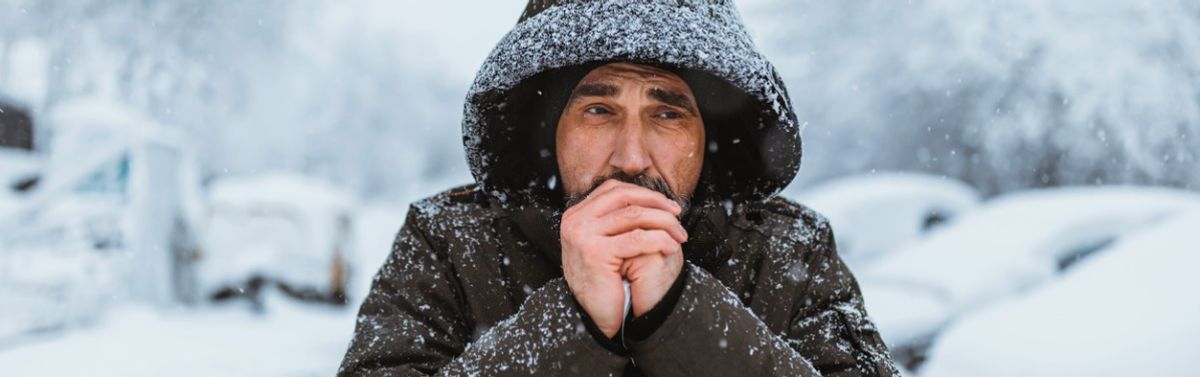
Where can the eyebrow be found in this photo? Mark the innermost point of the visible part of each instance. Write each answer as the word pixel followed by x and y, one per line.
pixel 673 98
pixel 669 97
pixel 594 90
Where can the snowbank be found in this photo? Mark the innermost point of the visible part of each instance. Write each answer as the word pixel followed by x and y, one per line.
pixel 25 71
pixel 1012 244
pixel 290 340
pixel 1131 310
pixel 876 213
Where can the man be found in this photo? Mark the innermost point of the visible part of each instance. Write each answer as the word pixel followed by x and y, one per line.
pixel 620 142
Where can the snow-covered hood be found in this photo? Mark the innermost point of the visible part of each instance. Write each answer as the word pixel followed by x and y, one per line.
pixel 512 108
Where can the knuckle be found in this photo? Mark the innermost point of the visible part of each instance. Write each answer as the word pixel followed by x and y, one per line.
pixel 636 236
pixel 654 235
pixel 598 247
pixel 640 234
pixel 664 238
pixel 568 232
pixel 632 212
pixel 576 227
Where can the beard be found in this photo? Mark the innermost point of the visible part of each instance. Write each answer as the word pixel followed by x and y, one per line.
pixel 654 184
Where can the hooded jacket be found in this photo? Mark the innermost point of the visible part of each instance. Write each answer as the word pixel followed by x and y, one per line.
pixel 474 286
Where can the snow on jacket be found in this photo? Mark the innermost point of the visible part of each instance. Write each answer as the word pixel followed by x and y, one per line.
pixel 474 283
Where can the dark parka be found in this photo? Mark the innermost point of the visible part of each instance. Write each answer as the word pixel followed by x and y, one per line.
pixel 474 283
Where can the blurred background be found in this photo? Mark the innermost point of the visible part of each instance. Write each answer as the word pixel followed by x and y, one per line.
pixel 207 187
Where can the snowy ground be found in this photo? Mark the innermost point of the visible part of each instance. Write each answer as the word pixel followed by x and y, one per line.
pixel 289 339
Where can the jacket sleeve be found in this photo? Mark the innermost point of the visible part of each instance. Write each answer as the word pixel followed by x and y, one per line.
pixel 711 333
pixel 413 323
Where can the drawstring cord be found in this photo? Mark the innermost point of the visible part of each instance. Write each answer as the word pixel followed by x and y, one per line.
pixel 628 307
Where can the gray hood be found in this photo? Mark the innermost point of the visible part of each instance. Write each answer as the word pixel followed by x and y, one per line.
pixel 754 145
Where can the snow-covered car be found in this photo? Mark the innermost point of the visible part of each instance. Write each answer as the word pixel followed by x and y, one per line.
pixel 18 163
pixel 1132 310
pixel 876 213
pixel 1010 245
pixel 287 231
pixel 106 220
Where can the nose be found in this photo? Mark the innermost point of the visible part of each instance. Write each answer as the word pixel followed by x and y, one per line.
pixel 630 154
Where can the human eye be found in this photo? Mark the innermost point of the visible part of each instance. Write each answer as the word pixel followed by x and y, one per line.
pixel 597 110
pixel 669 115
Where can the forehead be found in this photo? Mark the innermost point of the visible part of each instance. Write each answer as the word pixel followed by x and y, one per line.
pixel 629 72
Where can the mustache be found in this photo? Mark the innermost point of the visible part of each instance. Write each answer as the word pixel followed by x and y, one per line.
pixel 655 184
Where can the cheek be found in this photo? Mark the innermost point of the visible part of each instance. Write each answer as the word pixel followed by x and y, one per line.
pixel 578 159
pixel 692 159
pixel 683 159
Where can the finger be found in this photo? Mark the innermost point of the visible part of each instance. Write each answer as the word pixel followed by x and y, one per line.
pixel 638 217
pixel 626 195
pixel 640 241
pixel 612 185
pixel 631 264
pixel 607 185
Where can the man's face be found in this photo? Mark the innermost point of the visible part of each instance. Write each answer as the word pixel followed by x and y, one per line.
pixel 634 123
